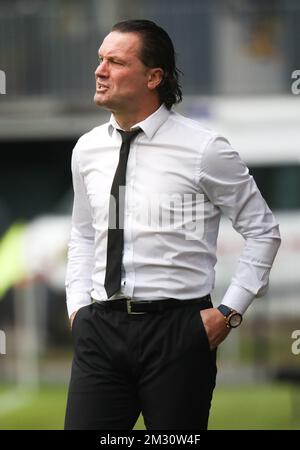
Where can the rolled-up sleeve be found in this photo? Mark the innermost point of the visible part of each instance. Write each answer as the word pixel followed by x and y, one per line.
pixel 225 179
pixel 81 245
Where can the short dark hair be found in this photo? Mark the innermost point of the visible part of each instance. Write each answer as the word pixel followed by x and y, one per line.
pixel 157 51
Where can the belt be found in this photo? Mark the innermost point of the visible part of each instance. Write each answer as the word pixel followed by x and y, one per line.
pixel 143 306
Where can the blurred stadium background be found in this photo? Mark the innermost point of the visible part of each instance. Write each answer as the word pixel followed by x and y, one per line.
pixel 238 57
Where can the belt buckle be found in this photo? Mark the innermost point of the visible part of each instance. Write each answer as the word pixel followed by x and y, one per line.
pixel 129 311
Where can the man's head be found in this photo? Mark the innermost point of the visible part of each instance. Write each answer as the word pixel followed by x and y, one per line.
pixel 137 64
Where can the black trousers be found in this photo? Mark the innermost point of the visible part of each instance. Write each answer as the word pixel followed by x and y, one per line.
pixel 159 364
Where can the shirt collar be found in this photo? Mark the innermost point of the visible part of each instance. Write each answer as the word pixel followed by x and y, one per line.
pixel 150 125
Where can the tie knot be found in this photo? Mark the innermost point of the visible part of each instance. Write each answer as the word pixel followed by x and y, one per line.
pixel 128 136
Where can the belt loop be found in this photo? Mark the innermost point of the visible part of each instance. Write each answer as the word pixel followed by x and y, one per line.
pixel 128 303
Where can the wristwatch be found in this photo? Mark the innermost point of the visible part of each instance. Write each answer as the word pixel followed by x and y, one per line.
pixel 232 318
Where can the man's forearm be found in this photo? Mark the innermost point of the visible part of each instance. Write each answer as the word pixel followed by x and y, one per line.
pixel 252 275
pixel 79 271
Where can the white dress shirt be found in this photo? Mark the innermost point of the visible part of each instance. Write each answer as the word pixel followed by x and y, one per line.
pixel 180 178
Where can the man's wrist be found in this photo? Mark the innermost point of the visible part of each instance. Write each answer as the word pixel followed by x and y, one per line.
pixel 72 316
pixel 233 319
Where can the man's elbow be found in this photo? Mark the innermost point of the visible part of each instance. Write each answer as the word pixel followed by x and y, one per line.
pixel 277 237
pixel 262 290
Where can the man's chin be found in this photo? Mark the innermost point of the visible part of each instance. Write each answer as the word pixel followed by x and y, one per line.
pixel 98 100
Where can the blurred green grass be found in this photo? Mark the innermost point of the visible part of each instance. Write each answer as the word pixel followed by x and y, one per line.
pixel 269 407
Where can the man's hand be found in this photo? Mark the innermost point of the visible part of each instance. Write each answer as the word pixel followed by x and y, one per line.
pixel 72 316
pixel 215 326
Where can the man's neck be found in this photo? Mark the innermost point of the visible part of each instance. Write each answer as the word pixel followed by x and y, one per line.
pixel 126 121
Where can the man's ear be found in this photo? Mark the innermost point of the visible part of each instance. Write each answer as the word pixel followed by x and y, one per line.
pixel 155 77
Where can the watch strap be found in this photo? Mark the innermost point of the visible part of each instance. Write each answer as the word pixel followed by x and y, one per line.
pixel 225 310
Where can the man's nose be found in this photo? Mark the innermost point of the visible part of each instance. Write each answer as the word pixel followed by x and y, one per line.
pixel 102 69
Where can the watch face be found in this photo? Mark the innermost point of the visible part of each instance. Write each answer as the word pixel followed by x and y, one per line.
pixel 235 320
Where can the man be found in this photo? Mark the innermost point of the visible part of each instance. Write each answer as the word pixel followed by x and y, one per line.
pixel 145 331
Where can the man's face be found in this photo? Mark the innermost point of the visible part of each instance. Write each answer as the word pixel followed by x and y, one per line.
pixel 121 77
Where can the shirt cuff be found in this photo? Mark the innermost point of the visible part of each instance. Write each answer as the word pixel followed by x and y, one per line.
pixel 77 301
pixel 237 298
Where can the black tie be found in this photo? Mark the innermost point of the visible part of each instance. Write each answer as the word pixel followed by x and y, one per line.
pixel 115 239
